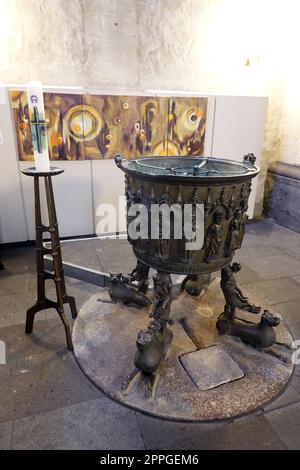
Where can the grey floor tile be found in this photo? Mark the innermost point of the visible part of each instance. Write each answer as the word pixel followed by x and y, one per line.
pixel 40 374
pixel 290 395
pixel 162 434
pixel 6 435
pixel 285 423
pixel 296 376
pixel 290 311
pixel 7 408
pixel 273 267
pixel 275 291
pixel 264 227
pixel 77 287
pixel 288 242
pixel 98 424
pixel 80 252
pixel 17 283
pixel 291 244
pixel 19 260
pixel 297 279
pixel 255 247
pixel 115 255
pixel 246 275
pixel 13 308
pixel 267 228
pixel 250 433
pixel 281 238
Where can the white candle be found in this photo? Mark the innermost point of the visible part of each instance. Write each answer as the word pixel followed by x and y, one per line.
pixel 38 126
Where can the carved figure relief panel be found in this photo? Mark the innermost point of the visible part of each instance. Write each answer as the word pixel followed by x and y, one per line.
pixel 224 224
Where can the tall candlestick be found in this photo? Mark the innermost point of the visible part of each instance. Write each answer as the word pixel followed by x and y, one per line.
pixel 38 126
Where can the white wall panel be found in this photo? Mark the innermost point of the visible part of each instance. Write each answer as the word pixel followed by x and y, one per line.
pixel 209 131
pixel 12 219
pixel 108 187
pixel 238 130
pixel 73 198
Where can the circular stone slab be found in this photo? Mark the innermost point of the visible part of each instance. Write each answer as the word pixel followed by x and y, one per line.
pixel 104 338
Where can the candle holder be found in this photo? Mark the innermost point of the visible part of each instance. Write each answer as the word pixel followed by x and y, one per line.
pixel 57 276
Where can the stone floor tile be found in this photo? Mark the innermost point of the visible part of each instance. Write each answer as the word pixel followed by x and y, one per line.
pixel 7 410
pixel 40 374
pixel 285 423
pixel 161 434
pixel 17 283
pixel 296 278
pixel 115 255
pixel 13 308
pixel 19 260
pixel 277 237
pixel 80 252
pixel 255 247
pixel 291 244
pixel 250 433
pixel 275 291
pixel 6 430
pixel 290 311
pixel 262 226
pixel 296 377
pixel 290 395
pixel 97 424
pixel 273 267
pixel 246 274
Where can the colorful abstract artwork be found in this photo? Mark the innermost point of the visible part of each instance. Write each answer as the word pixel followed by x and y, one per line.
pixel 100 132
pixel 143 125
pixel 64 124
pixel 22 124
pixel 95 127
pixel 129 125
pixel 186 126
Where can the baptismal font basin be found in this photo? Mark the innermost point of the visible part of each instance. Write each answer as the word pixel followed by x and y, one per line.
pixel 212 193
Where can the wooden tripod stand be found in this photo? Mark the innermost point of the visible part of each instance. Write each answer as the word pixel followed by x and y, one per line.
pixel 57 276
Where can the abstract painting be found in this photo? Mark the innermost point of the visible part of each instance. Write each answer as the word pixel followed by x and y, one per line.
pixel 129 125
pixel 22 124
pixel 186 125
pixel 95 127
pixel 63 121
pixel 143 125
pixel 99 127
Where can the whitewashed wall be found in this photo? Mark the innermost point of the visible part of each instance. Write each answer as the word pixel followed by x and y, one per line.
pixel 233 47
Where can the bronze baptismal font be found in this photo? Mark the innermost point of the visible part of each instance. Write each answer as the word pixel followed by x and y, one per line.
pixel 203 197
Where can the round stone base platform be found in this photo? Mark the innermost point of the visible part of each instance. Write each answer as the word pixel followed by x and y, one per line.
pixel 104 339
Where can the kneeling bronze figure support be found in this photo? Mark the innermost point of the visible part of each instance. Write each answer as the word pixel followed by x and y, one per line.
pixel 153 343
pixel 131 289
pixel 261 334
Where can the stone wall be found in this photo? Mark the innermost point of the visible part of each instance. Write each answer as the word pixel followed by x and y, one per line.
pixel 282 195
